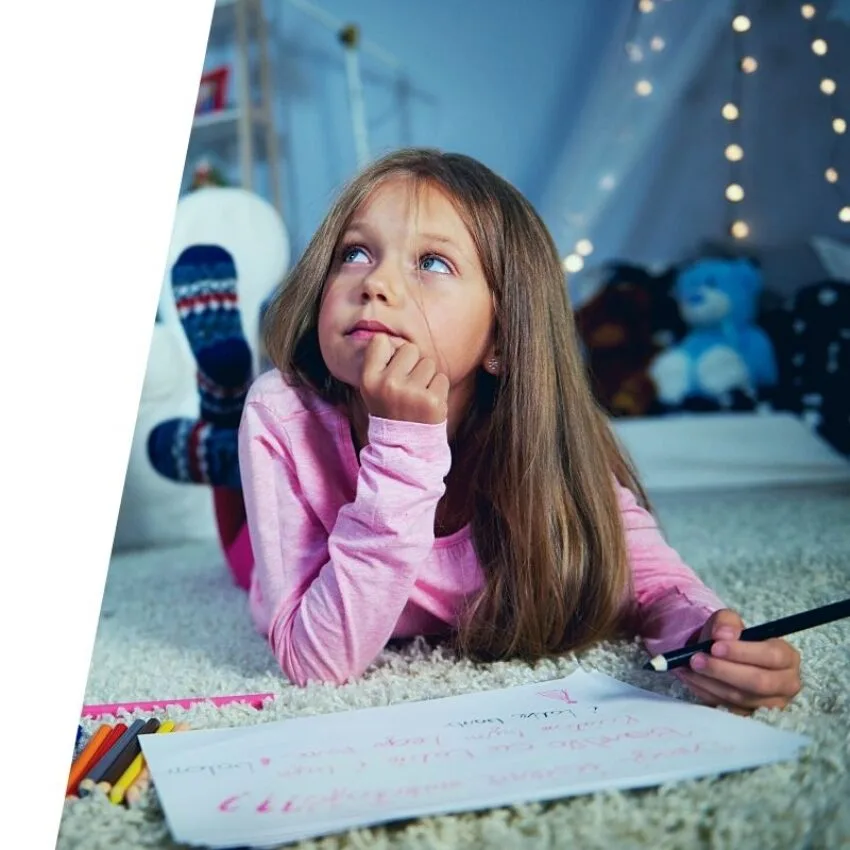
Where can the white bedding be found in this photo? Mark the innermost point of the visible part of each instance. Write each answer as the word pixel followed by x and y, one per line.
pixel 689 452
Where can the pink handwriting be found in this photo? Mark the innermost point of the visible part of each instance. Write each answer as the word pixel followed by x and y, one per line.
pixel 333 751
pixel 644 756
pixel 463 723
pixel 496 732
pixel 213 769
pixel 582 726
pixel 393 742
pixel 516 747
pixel 605 741
pixel 308 770
pixel 544 774
pixel 430 758
pixel 339 798
pixel 545 715
pixel 560 695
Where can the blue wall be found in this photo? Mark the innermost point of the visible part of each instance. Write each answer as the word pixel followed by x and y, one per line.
pixel 492 80
pixel 505 81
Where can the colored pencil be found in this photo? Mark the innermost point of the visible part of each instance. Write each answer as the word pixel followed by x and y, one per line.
pixel 115 733
pixel 85 759
pixel 142 782
pixel 119 789
pixel 97 773
pixel 126 756
pixel 99 710
pixel 775 628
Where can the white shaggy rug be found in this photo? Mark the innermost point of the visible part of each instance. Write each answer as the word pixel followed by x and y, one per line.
pixel 172 625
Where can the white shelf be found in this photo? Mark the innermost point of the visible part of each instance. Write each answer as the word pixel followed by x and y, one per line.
pixel 212 127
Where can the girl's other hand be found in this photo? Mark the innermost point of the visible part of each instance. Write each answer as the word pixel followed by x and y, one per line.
pixel 398 383
pixel 742 675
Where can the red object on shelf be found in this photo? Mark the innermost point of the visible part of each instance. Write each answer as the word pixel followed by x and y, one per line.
pixel 212 92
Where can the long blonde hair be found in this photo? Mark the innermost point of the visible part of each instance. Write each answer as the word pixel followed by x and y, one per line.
pixel 544 513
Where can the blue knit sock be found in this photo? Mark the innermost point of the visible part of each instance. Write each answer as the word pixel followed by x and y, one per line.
pixel 194 451
pixel 204 283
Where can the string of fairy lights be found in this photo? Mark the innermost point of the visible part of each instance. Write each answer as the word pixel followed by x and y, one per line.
pixel 745 64
pixel 837 122
pixel 637 54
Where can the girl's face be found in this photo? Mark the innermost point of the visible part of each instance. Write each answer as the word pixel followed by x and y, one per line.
pixel 412 267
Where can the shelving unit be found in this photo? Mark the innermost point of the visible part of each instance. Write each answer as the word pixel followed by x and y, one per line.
pixel 247 121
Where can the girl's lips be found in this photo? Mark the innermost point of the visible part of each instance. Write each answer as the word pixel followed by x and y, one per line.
pixel 366 330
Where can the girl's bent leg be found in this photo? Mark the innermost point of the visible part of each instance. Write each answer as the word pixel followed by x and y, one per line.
pixel 233 533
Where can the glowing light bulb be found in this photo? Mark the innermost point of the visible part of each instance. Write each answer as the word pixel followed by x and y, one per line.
pixel 740 229
pixel 749 65
pixel 734 153
pixel 730 111
pixel 839 125
pixel 634 52
pixel 657 43
pixel 741 23
pixel 828 86
pixel 734 193
pixel 831 175
pixel 819 47
pixel 643 88
pixel 584 247
pixel 807 11
pixel 646 6
pixel 573 263
pixel 844 214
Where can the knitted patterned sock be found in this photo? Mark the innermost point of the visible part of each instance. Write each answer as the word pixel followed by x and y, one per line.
pixel 204 283
pixel 194 451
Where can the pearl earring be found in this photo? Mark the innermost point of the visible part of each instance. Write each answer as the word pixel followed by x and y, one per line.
pixel 493 364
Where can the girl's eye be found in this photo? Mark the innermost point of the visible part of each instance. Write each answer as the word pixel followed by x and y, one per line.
pixel 349 254
pixel 429 264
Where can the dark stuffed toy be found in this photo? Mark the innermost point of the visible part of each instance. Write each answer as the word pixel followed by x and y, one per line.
pixel 630 319
pixel 811 335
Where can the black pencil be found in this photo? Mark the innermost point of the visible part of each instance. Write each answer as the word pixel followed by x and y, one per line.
pixel 776 628
pixel 126 756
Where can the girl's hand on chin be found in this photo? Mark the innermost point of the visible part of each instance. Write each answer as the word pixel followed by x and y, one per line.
pixel 398 383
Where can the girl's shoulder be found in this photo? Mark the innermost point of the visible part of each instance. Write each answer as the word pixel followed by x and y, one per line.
pixel 279 394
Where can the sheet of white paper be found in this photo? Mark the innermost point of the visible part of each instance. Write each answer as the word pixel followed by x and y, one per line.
pixel 310 776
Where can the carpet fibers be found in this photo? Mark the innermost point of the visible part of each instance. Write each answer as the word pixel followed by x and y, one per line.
pixel 172 625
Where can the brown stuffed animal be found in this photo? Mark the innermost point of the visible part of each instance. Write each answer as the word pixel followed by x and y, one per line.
pixel 623 328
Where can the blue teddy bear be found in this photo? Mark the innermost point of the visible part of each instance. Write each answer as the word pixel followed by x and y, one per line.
pixel 725 350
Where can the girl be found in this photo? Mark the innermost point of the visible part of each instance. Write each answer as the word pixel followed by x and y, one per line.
pixel 427 457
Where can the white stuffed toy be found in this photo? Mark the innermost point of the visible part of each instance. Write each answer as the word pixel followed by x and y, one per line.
pixel 154 510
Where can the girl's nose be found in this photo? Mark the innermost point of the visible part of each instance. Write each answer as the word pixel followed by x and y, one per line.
pixel 378 285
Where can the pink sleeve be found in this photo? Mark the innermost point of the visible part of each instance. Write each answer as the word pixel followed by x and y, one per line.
pixel 333 600
pixel 671 601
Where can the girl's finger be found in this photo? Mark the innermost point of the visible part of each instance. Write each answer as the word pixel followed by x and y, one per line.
pixel 719 693
pixel 378 353
pixel 440 385
pixel 423 372
pixel 712 701
pixel 403 361
pixel 745 678
pixel 773 654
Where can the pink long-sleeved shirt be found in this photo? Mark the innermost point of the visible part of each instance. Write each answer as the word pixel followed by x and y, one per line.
pixel 345 552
